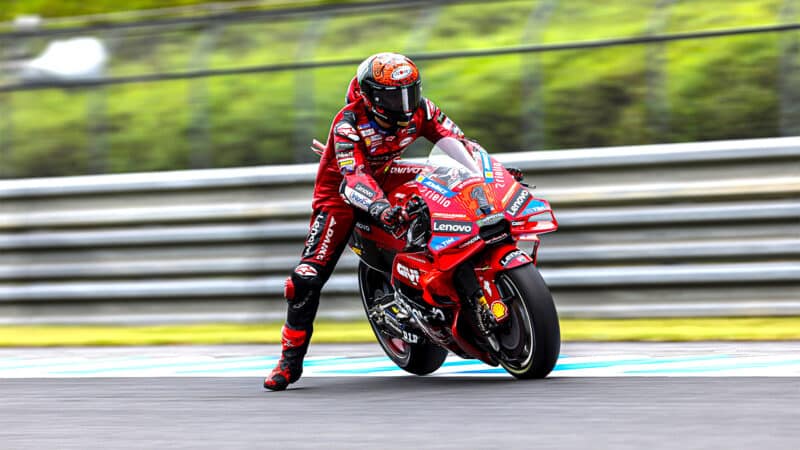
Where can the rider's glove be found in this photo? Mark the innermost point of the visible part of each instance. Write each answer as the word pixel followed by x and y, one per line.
pixel 317 147
pixel 516 173
pixel 387 215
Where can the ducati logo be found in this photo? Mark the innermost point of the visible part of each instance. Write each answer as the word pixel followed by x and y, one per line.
pixel 326 243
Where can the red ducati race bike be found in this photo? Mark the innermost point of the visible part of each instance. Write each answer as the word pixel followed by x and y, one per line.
pixel 453 277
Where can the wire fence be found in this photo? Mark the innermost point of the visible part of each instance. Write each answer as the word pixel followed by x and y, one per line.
pixel 188 49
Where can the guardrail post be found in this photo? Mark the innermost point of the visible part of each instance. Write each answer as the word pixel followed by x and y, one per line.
pixel 304 91
pixel 97 113
pixel 657 103
pixel 533 114
pixel 96 118
pixel 789 75
pixel 199 129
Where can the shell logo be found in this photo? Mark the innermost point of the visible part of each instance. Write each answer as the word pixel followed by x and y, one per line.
pixel 402 72
pixel 499 309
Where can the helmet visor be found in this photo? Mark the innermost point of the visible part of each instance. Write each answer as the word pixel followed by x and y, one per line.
pixel 399 100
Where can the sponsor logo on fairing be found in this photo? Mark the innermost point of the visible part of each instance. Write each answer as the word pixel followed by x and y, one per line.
pixel 403 170
pixel 411 275
pixel 470 242
pixel 430 184
pixel 305 271
pixel 487 287
pixel 442 242
pixel 436 197
pixel 510 257
pixel 326 243
pixel 498 238
pixel 412 128
pixel 517 201
pixel 487 167
pixel 364 227
pixel 406 141
pixel 499 174
pixel 490 220
pixel 450 226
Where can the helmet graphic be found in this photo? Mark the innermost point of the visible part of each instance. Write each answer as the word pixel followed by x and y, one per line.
pixel 391 86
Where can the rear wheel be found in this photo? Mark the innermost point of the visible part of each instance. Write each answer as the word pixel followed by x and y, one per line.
pixel 419 359
pixel 530 339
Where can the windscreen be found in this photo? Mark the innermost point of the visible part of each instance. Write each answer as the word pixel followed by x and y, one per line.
pixel 450 163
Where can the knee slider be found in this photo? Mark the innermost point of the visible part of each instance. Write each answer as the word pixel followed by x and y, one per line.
pixel 304 280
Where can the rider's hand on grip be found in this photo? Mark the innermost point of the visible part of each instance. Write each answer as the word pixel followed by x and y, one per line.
pixel 390 217
pixel 414 206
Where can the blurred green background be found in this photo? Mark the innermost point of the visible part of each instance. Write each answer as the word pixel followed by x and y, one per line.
pixel 731 87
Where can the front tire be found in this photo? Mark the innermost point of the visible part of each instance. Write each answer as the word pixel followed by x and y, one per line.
pixel 530 341
pixel 419 359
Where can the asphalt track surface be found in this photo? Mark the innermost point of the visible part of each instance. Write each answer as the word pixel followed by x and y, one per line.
pixel 449 411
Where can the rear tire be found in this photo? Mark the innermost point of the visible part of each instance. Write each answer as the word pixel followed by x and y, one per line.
pixel 531 340
pixel 419 359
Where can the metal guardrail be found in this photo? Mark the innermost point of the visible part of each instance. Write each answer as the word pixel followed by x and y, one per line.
pixel 682 229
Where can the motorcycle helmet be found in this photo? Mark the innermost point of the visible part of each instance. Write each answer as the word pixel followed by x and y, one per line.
pixel 391 87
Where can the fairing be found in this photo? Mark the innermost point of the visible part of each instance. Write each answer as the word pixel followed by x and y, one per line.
pixel 478 212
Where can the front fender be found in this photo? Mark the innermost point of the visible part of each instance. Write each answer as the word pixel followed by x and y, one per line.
pixel 505 257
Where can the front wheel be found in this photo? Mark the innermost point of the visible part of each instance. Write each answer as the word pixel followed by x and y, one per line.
pixel 530 339
pixel 419 359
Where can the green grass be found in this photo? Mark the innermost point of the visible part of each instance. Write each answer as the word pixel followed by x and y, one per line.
pixel 713 88
pixel 673 330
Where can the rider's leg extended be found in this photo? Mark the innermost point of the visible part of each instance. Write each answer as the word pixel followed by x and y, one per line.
pixel 327 237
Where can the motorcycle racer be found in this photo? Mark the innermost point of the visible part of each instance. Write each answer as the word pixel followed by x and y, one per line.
pixel 384 114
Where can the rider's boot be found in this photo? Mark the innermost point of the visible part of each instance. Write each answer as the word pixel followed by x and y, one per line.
pixel 290 366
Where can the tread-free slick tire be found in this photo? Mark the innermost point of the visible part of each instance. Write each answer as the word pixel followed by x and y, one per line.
pixel 420 359
pixel 529 287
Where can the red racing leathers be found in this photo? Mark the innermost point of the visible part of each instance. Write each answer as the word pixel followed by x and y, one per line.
pixel 354 167
pixel 359 159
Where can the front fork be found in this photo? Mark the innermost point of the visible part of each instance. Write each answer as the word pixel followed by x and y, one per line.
pixel 477 285
pixel 470 289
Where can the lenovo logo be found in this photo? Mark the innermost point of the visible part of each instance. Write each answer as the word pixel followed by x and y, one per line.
pixel 517 201
pixel 450 226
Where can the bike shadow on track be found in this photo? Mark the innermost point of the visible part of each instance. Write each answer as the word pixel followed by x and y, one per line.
pixel 454 383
